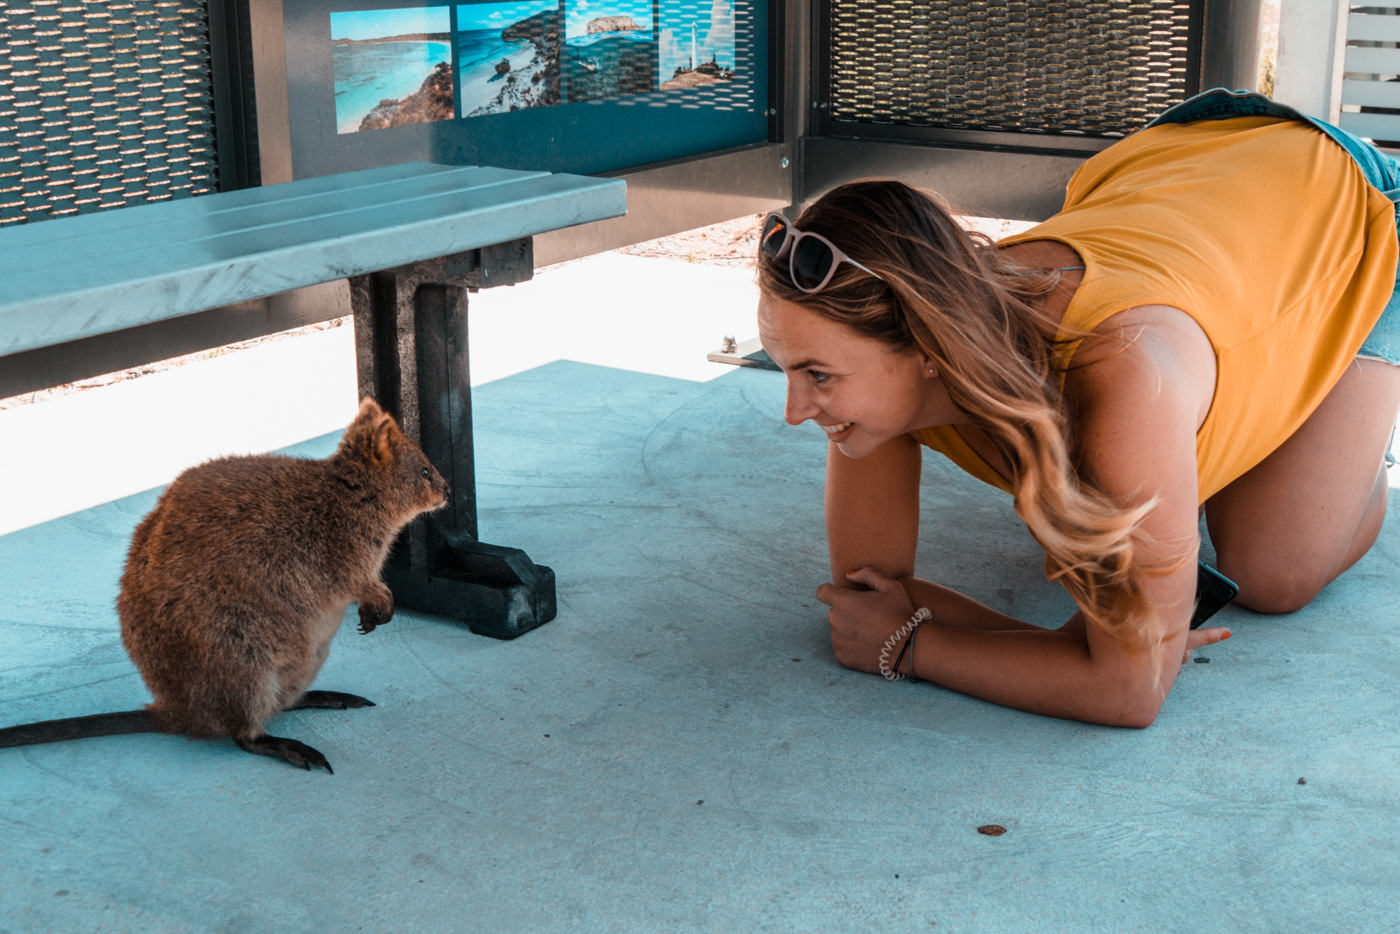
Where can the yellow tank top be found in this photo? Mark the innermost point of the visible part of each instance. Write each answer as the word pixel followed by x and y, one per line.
pixel 1262 230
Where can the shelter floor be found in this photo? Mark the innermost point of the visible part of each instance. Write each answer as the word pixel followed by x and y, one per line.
pixel 678 749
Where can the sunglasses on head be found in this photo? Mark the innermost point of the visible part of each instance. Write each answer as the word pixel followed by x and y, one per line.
pixel 812 259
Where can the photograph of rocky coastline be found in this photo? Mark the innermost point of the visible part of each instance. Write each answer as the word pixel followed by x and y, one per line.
pixel 391 67
pixel 695 43
pixel 508 56
pixel 610 49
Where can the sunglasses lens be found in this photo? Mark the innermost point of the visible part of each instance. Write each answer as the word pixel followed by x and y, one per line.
pixel 812 260
pixel 775 230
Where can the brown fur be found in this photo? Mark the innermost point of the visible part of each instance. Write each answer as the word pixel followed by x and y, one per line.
pixel 238 579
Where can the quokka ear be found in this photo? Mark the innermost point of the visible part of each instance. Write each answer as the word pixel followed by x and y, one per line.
pixel 372 432
pixel 369 415
pixel 369 409
pixel 385 439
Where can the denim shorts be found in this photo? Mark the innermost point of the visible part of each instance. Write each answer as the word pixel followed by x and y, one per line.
pixel 1384 340
pixel 1380 170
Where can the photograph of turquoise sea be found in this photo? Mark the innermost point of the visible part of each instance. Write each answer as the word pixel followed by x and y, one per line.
pixel 392 67
pixel 508 56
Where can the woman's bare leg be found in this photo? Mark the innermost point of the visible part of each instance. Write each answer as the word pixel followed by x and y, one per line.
pixel 1312 508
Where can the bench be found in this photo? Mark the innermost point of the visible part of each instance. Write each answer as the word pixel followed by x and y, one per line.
pixel 411 240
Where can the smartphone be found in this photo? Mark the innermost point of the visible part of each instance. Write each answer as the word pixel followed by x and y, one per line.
pixel 1213 590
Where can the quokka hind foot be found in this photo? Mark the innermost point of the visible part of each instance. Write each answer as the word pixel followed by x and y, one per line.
pixel 294 752
pixel 290 751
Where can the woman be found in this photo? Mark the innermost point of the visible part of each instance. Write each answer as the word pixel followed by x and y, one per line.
pixel 1200 327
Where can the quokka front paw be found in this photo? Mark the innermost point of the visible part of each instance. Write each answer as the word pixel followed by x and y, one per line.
pixel 374 614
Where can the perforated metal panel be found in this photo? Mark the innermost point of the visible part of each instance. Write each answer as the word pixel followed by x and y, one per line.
pixel 103 103
pixel 1079 67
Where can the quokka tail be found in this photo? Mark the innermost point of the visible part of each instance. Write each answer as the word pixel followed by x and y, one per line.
pixel 58 731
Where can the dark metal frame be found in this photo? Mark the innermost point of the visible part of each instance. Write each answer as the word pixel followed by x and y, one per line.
pixel 234 116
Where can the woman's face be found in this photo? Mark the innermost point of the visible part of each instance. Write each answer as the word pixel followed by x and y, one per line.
pixel 860 391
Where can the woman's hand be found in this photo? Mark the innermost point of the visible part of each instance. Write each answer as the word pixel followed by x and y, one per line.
pixel 863 620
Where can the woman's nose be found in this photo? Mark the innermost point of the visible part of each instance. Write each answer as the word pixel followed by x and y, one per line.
pixel 799 406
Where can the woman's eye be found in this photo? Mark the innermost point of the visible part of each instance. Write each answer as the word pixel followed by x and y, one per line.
pixel 818 376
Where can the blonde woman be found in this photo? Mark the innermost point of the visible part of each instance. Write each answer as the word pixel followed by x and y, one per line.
pixel 1206 324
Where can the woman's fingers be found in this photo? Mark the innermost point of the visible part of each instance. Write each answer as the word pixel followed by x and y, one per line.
pixel 865 580
pixel 872 579
pixel 1197 638
pixel 1200 638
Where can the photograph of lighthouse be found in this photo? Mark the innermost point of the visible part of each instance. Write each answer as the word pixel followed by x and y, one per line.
pixel 695 43
pixel 391 67
pixel 610 49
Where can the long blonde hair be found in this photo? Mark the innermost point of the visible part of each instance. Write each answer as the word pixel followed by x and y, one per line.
pixel 977 316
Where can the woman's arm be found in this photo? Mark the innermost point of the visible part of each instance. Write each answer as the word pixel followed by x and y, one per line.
pixel 872 509
pixel 957 610
pixel 872 521
pixel 1137 411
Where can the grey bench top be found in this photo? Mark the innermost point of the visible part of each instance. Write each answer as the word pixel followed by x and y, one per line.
pixel 91 274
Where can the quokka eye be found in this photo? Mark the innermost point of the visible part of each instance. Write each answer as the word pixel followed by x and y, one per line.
pixel 423 472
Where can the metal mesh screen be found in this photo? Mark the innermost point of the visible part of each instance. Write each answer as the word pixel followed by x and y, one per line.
pixel 103 103
pixel 1081 67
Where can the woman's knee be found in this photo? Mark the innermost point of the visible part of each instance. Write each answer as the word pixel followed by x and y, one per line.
pixel 1273 586
pixel 1274 579
pixel 1271 593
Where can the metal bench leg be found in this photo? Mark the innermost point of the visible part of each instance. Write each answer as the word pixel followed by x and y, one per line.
pixel 411 348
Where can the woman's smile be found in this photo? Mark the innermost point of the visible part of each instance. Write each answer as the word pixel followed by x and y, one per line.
pixel 838 434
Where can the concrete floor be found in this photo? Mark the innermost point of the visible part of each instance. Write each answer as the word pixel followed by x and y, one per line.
pixel 677 751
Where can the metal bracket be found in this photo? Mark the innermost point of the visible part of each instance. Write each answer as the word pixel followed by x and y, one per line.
pixel 746 353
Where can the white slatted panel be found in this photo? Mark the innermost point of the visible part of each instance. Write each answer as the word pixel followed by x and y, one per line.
pixel 1374 27
pixel 1372 61
pixel 1371 72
